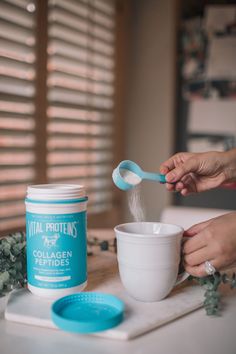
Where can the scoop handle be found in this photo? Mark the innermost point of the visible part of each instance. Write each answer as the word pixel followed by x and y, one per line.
pixel 154 177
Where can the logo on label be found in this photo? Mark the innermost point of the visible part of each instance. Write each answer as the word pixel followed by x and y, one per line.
pixel 50 241
pixel 67 228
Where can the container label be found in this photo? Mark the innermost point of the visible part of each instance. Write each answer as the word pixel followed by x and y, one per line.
pixel 56 250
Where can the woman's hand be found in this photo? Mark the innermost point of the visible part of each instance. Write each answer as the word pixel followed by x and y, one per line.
pixel 214 241
pixel 197 172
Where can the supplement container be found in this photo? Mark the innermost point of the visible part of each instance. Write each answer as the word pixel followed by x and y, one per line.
pixel 56 239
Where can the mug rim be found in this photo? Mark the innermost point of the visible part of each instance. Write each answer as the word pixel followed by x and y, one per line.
pixel 150 235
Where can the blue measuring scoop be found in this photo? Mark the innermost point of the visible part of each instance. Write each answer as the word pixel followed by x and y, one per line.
pixel 121 182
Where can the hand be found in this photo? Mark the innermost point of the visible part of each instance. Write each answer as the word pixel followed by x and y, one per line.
pixel 213 240
pixel 197 172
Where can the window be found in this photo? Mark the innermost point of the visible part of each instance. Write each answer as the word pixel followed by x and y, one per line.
pixel 57 89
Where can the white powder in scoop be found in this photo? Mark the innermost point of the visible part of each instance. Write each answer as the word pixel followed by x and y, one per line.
pixel 130 177
pixel 134 195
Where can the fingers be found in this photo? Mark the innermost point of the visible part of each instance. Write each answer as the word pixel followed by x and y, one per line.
pixel 173 161
pixel 174 169
pixel 213 240
pixel 199 270
pixel 186 186
pixel 179 186
pixel 194 263
pixel 170 187
pixel 185 192
pixel 164 169
pixel 199 257
pixel 194 244
pixel 168 165
pixel 175 187
pixel 175 174
pixel 195 229
pixel 204 245
pixel 188 182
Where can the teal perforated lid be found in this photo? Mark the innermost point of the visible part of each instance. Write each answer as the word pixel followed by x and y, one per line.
pixel 87 312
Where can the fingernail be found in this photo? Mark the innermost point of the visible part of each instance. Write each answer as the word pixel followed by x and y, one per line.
pixel 163 170
pixel 170 177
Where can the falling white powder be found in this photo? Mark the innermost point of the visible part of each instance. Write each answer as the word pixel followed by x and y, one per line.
pixel 135 204
pixel 134 195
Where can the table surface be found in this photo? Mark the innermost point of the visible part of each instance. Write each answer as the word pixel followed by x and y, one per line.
pixel 194 333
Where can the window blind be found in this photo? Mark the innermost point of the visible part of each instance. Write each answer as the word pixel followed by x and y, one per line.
pixel 17 91
pixel 81 96
pixel 80 101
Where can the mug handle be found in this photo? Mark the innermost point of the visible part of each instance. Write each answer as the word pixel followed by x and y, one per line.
pixel 184 275
pixel 181 277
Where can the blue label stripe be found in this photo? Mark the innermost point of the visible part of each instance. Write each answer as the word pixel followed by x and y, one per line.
pixel 69 201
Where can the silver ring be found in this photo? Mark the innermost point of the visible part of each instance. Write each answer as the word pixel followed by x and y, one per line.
pixel 209 268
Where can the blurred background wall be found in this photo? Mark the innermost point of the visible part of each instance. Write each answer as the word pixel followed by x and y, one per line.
pixel 87 83
pixel 150 94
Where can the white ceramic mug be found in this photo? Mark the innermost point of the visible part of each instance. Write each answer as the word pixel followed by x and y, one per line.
pixel 148 257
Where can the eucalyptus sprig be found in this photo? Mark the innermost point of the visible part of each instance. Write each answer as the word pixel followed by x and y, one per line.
pixel 12 262
pixel 102 245
pixel 211 283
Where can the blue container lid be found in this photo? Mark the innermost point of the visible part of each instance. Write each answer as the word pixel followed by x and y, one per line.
pixel 87 312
